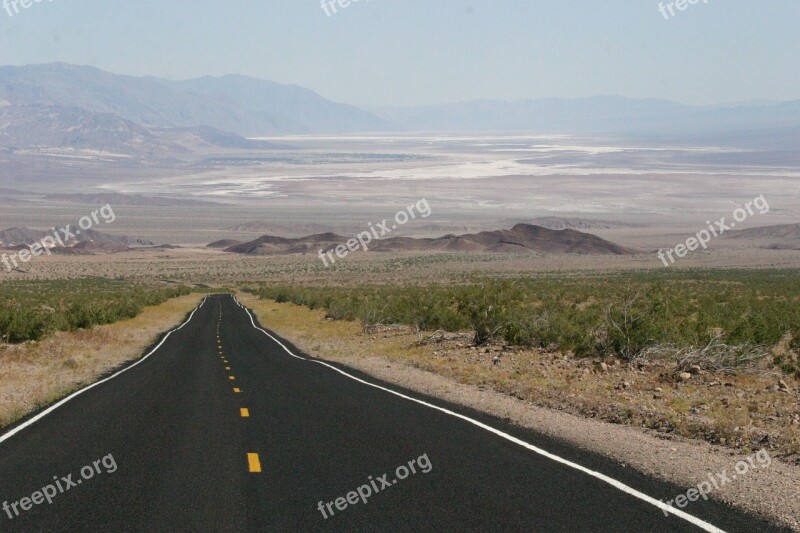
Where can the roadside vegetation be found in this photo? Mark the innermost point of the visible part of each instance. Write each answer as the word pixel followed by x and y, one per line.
pixel 719 320
pixel 730 389
pixel 32 310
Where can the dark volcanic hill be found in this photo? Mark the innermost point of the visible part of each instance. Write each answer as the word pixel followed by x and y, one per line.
pixel 522 238
pixel 224 243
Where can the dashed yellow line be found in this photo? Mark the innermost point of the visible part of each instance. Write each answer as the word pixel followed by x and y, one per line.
pixel 232 378
pixel 237 390
pixel 245 412
pixel 253 463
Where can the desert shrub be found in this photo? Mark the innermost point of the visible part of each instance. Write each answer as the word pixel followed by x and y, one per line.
pixel 490 308
pixel 31 310
pixel 589 315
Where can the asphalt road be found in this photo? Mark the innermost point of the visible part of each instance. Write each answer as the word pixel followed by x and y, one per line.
pixel 223 429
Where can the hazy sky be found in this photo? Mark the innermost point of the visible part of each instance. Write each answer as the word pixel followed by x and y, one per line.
pixel 378 52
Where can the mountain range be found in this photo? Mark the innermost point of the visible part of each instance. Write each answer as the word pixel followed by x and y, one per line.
pixel 599 114
pixel 59 105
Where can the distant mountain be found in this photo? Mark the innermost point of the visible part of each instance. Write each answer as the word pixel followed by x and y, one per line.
pixel 522 238
pixel 57 127
pixel 601 114
pixel 139 107
pixel 245 106
pixel 30 126
pixel 286 108
pixel 88 240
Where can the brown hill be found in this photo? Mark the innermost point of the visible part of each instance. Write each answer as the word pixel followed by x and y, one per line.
pixel 13 237
pixel 222 244
pixel 782 231
pixel 522 238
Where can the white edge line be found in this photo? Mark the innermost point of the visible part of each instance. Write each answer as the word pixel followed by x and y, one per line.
pixel 55 406
pixel 611 481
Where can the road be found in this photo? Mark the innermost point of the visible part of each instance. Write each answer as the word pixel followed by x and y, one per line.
pixel 225 427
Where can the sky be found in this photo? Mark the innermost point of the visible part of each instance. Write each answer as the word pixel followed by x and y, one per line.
pixel 412 52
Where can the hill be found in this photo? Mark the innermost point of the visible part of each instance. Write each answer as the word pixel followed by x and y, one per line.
pixel 88 241
pixel 781 231
pixel 522 238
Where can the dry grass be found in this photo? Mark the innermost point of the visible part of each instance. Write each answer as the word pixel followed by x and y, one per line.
pixel 743 411
pixel 35 374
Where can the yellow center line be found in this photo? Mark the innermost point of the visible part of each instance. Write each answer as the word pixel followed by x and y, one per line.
pixel 232 378
pixel 237 390
pixel 227 368
pixel 245 412
pixel 253 463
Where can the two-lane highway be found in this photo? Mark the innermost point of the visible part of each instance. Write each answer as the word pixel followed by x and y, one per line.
pixel 225 427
